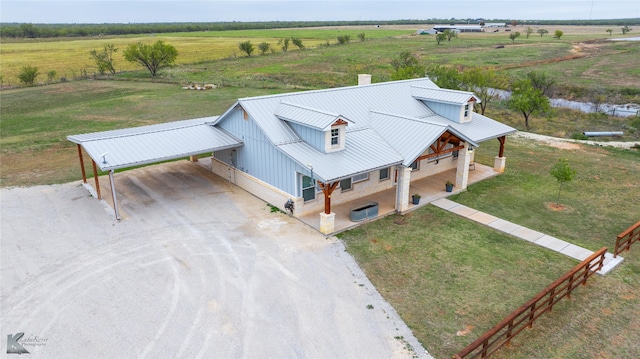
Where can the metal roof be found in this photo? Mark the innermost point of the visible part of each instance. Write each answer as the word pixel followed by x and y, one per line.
pixel 155 143
pixel 443 95
pixel 306 116
pixel 416 136
pixel 364 151
pixel 479 129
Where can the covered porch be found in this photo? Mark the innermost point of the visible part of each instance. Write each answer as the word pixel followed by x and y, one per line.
pixel 430 189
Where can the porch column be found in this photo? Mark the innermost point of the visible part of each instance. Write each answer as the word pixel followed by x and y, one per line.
pixel 95 177
pixel 327 219
pixel 500 161
pixel 462 172
pixel 113 195
pixel 402 189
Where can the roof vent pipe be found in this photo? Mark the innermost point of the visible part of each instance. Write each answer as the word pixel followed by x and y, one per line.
pixel 364 79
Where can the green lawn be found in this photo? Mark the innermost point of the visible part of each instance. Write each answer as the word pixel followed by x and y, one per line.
pixel 445 274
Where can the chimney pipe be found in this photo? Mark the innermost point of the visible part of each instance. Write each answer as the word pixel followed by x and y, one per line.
pixel 364 79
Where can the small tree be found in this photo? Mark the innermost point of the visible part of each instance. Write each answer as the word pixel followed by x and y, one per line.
pixel 625 29
pixel 542 32
pixel 513 36
pixel 563 173
pixel 558 34
pixel 284 44
pixel 104 59
pixel 528 100
pixel 28 75
pixel 440 37
pixel 246 47
pixel 542 82
pixel 528 31
pixel 610 31
pixel 406 66
pixel 264 47
pixel 344 39
pixel 297 42
pixel 153 57
pixel 361 36
pixel 51 75
pixel 449 34
pixel 446 76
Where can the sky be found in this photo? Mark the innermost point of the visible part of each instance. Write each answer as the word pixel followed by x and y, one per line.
pixel 146 11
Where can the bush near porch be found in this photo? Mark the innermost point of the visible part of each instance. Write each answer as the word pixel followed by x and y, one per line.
pixel 451 279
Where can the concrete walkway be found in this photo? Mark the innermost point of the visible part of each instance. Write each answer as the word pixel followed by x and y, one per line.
pixel 527 234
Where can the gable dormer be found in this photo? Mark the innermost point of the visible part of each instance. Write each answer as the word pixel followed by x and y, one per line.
pixel 324 131
pixel 453 105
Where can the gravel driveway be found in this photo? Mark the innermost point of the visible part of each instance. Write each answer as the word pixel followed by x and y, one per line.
pixel 196 268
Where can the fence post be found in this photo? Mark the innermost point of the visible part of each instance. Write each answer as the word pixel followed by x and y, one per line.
pixel 552 295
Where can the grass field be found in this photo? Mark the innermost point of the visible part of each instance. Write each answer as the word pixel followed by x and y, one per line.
pixel 444 274
pixel 440 272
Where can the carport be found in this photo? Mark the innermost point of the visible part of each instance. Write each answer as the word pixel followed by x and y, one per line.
pixel 130 147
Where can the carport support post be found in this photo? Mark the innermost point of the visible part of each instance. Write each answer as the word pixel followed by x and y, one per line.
pixel 84 174
pixel 402 188
pixel 327 219
pixel 113 194
pixel 95 177
pixel 500 161
pixel 462 172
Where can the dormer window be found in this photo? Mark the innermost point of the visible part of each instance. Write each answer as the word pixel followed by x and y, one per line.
pixel 335 137
pixel 466 110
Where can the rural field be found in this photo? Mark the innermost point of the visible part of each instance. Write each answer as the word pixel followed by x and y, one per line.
pixel 442 274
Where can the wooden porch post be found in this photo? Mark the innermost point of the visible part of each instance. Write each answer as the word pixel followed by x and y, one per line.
pixel 327 190
pixel 502 140
pixel 95 176
pixel 84 175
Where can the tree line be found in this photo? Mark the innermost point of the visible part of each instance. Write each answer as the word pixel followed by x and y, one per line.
pixel 29 30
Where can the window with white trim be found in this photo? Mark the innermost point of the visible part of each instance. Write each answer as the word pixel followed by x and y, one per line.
pixel 345 184
pixel 360 177
pixel 384 174
pixel 308 189
pixel 466 110
pixel 335 136
pixel 415 165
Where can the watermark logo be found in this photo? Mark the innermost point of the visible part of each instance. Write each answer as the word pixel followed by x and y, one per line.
pixel 16 343
pixel 13 346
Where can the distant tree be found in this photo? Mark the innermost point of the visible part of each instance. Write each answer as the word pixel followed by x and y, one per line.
pixel 610 31
pixel 440 37
pixel 483 83
pixel 450 34
pixel 514 23
pixel 104 59
pixel 558 34
pixel 445 76
pixel 513 36
pixel 528 31
pixel 246 47
pixel 51 75
pixel 542 32
pixel 29 31
pixel 28 75
pixel 542 82
pixel 625 29
pixel 361 36
pixel 344 39
pixel 563 173
pixel 297 42
pixel 406 66
pixel 528 100
pixel 264 47
pixel 153 57
pixel 284 44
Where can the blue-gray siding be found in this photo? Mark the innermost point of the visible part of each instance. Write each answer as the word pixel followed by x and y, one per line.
pixel 448 111
pixel 312 137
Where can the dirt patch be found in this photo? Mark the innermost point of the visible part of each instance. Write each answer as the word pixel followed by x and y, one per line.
pixel 558 207
pixel 564 145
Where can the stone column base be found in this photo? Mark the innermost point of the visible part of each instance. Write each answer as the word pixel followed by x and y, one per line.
pixel 327 223
pixel 499 164
pixel 193 158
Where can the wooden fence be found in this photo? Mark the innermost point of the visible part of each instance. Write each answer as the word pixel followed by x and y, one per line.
pixel 524 316
pixel 626 239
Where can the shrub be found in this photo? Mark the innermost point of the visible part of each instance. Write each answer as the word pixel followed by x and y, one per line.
pixel 28 75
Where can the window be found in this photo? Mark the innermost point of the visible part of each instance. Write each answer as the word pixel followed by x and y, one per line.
pixel 335 136
pixel 345 184
pixel 308 189
pixel 466 110
pixel 361 177
pixel 384 174
pixel 455 153
pixel 415 165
